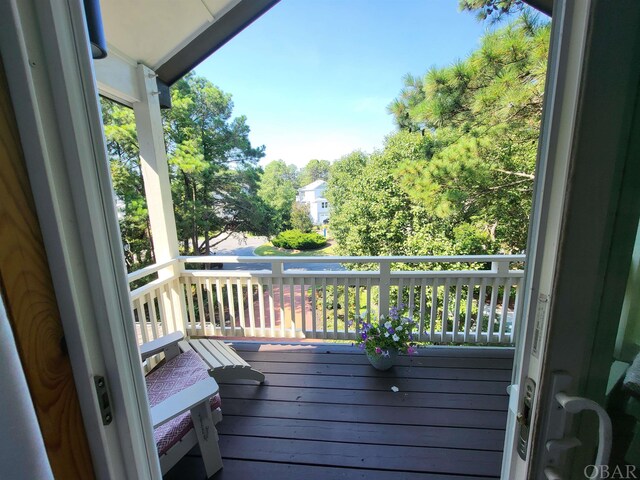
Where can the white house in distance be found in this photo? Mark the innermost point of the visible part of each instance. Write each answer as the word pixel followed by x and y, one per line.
pixel 313 195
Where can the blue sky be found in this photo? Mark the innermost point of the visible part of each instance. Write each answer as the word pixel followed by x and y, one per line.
pixel 314 77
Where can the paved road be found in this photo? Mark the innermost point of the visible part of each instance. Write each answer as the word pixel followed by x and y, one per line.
pixel 237 245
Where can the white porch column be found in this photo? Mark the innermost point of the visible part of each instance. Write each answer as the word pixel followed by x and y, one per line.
pixel 155 170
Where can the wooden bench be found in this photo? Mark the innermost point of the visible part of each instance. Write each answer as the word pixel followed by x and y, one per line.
pixel 224 363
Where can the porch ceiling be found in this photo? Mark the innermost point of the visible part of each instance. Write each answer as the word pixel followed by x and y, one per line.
pixel 172 37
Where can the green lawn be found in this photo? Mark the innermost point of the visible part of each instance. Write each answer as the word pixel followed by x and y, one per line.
pixel 268 250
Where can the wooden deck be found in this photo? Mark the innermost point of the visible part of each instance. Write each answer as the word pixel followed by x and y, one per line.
pixel 325 414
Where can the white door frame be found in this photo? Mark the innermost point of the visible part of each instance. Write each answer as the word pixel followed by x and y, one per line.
pixel 586 126
pixel 45 50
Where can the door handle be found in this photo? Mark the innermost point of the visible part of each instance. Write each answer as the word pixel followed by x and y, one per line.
pixel 559 414
pixel 557 447
pixel 574 404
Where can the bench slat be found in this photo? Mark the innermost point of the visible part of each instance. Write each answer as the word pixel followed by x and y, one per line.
pixel 211 361
pixel 218 352
pixel 224 363
pixel 228 352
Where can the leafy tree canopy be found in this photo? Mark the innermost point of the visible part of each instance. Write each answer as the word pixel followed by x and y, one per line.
pixel 314 170
pixel 214 168
pixel 278 190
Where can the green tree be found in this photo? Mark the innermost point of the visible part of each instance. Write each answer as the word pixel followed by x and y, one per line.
pixel 214 169
pixel 278 190
pixel 301 217
pixel 314 170
pixel 483 116
pixel 341 191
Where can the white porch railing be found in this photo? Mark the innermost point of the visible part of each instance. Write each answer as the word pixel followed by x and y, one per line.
pixel 269 300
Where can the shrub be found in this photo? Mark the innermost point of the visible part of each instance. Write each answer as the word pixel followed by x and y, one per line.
pixel 297 240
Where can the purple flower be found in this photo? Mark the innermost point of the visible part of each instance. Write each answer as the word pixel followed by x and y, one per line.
pixel 392 331
pixel 412 350
pixel 361 346
pixel 364 335
pixel 378 350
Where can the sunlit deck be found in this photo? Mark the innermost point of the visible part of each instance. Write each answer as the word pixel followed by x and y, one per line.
pixel 324 413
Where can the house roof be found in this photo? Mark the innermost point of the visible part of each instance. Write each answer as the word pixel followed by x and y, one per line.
pixel 313 185
pixel 172 37
pixel 545 6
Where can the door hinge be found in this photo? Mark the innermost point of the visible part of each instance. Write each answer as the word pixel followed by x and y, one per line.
pixel 104 402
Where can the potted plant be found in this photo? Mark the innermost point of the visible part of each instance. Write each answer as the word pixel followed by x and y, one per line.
pixel 384 338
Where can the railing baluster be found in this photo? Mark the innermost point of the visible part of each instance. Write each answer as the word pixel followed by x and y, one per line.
pixel 335 308
pixel 384 289
pixel 506 295
pixel 220 301
pixel 240 297
pixel 492 309
pixel 272 309
pixel 148 300
pixel 345 308
pixel 515 328
pixel 292 308
pixel 412 300
pixel 445 310
pixel 324 307
pixel 162 311
pixel 469 311
pixel 262 320
pixel 357 307
pixel 210 308
pixel 456 312
pixel 201 312
pixel 423 307
pixel 303 307
pixel 369 296
pixel 142 321
pixel 251 309
pixel 434 311
pixel 231 306
pixel 314 309
pixel 182 305
pixel 481 302
pixel 165 294
pixel 154 315
pixel 190 306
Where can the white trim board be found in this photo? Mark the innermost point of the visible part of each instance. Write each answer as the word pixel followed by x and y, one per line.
pixel 45 50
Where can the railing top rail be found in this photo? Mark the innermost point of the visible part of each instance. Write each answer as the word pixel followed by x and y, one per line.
pixel 151 286
pixel 143 272
pixel 473 274
pixel 331 259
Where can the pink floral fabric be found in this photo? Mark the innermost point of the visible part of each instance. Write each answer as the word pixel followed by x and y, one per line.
pixel 177 374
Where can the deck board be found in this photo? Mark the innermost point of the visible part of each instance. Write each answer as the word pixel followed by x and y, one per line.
pixel 324 413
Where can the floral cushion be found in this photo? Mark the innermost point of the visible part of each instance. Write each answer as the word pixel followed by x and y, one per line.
pixel 174 376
